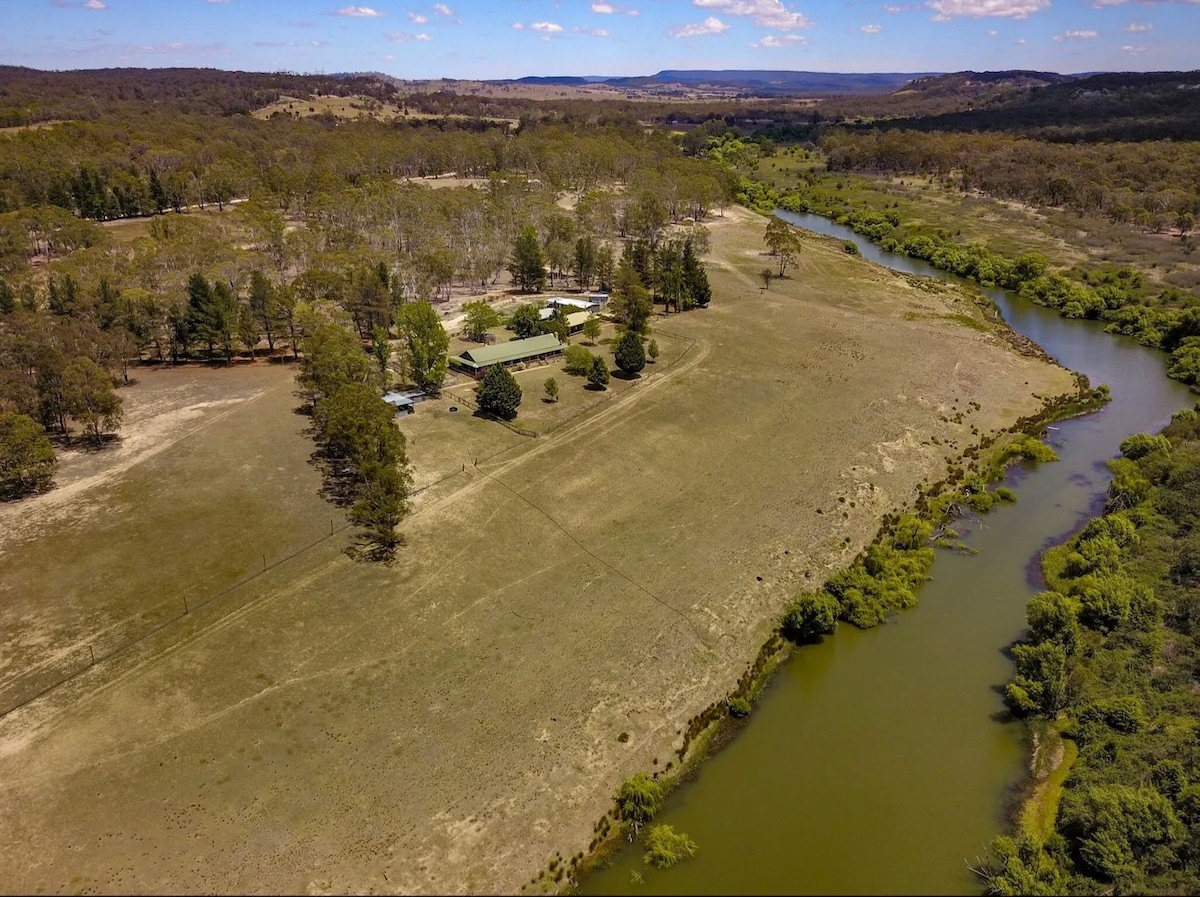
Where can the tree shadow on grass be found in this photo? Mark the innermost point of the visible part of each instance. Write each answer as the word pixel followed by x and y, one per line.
pixel 619 374
pixel 367 549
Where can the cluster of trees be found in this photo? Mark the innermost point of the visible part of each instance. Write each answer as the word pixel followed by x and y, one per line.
pixel 56 369
pixel 1110 657
pixel 362 446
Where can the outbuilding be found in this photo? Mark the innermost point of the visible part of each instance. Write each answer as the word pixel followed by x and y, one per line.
pixel 402 403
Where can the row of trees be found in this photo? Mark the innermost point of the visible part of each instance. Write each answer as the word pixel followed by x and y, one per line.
pixel 364 451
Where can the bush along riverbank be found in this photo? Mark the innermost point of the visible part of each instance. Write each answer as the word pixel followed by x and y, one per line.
pixel 883 579
pixel 1107 679
pixel 1156 315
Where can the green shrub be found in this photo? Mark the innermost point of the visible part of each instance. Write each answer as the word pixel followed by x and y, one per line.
pixel 665 847
pixel 1139 445
pixel 638 799
pixel 810 616
pixel 576 360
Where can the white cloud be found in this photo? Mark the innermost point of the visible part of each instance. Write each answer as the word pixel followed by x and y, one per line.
pixel 518 26
pixel 360 12
pixel 1133 51
pixel 979 9
pixel 546 27
pixel 417 18
pixel 1076 35
pixel 95 4
pixel 399 37
pixel 594 32
pixel 1139 26
pixel 603 9
pixel 711 25
pixel 776 41
pixel 1100 4
pixel 764 13
pixel 992 32
pixel 442 9
pixel 941 17
pixel 895 9
pixel 871 29
pixel 274 43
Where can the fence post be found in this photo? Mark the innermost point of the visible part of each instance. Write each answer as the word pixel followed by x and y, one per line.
pixel 93 653
pixel 185 607
pixel 264 563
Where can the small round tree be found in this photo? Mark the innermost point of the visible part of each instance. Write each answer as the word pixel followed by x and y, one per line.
pixel 598 374
pixel 27 461
pixel 591 329
pixel 498 393
pixel 629 353
pixel 551 387
pixel 652 351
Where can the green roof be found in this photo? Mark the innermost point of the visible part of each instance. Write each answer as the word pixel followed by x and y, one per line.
pixel 503 353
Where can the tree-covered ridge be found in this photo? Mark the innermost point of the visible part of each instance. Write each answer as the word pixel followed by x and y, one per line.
pixel 1148 183
pixel 146 163
pixel 29 96
pixel 1110 659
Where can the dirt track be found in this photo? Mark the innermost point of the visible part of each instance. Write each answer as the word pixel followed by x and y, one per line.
pixel 448 724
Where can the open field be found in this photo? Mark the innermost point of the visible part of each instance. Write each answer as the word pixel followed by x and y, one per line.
pixel 448 723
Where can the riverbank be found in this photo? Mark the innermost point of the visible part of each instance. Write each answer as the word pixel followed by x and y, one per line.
pixel 935 506
pixel 559 615
pixel 885 759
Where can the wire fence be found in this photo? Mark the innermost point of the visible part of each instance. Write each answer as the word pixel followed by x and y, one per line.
pixel 125 634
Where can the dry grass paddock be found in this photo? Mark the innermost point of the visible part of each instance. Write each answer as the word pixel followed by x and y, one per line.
pixel 448 723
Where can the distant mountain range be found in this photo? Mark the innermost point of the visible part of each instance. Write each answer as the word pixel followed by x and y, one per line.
pixel 760 82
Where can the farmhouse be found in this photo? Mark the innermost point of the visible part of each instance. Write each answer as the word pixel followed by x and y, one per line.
pixel 475 361
pixel 575 320
pixel 587 303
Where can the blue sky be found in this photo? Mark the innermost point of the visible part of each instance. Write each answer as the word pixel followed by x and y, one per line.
pixel 477 39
